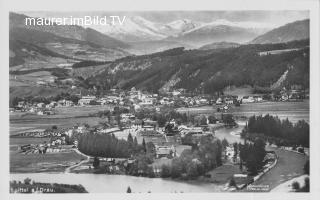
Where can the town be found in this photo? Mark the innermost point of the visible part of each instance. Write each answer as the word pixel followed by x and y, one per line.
pixel 152 136
pixel 136 99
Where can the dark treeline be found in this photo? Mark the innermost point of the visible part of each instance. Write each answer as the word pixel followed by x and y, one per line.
pixel 88 63
pixel 280 132
pixel 108 146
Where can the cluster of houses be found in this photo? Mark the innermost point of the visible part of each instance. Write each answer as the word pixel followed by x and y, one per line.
pixel 55 140
pixel 294 94
pixel 55 146
pixel 41 133
pixel 37 108
pixel 139 100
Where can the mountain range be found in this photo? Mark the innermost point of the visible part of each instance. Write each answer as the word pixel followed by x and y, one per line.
pixel 160 56
pixel 137 29
pixel 74 42
pixel 297 30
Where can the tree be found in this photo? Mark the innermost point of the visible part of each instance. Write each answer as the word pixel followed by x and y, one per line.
pixel 228 119
pixel 203 120
pixel 96 162
pixel 306 187
pixel 218 152
pixel 212 119
pixel 150 149
pixel 306 167
pixel 165 171
pixel 169 128
pixel 244 148
pixel 235 148
pixel 232 183
pixel 135 143
pixel 252 164
pixel 192 170
pixel 14 102
pixel 27 181
pixel 295 186
pixel 128 189
pixel 130 139
pixel 259 151
pixel 225 143
pixel 176 168
pixel 253 155
pixel 144 145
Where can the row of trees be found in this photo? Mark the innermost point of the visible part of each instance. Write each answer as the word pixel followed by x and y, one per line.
pixel 107 145
pixel 272 127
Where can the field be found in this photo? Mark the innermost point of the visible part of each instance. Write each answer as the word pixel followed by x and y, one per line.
pixel 27 140
pixel 65 117
pixel 293 110
pixel 222 174
pixel 24 88
pixel 50 162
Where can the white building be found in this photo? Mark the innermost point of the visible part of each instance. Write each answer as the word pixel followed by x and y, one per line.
pixel 85 100
pixel 248 99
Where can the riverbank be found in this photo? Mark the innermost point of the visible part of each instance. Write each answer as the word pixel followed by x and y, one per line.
pixel 104 183
pixel 289 166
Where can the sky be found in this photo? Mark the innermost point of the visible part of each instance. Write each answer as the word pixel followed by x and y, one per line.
pixel 274 18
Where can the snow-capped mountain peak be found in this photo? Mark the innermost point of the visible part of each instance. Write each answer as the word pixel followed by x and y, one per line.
pixel 183 25
pixel 137 28
pixel 253 26
pixel 134 28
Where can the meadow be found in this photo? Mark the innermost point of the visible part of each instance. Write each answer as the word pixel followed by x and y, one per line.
pixel 65 117
pixel 50 162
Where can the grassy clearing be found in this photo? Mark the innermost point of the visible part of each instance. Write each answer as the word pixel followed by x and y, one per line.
pixel 51 162
pixel 222 174
pixel 17 126
pixel 29 140
pixel 19 88
pixel 65 117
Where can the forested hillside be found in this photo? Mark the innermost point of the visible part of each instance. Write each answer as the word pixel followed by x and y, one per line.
pixel 208 71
